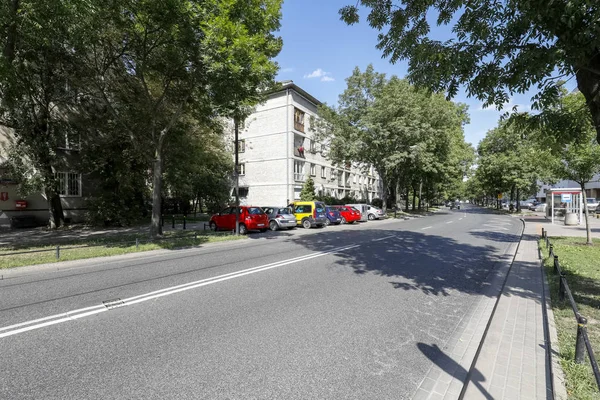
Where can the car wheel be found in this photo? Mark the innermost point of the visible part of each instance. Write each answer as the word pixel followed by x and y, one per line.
pixel 273 225
pixel 327 222
pixel 343 220
pixel 306 224
pixel 243 229
pixel 213 226
pixel 371 217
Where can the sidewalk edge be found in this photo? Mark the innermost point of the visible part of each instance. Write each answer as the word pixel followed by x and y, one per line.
pixel 559 390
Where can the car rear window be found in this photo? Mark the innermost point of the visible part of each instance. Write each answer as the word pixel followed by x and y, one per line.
pixel 320 207
pixel 255 211
pixel 284 211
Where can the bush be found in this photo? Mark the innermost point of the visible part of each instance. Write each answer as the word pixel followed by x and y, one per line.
pixel 377 203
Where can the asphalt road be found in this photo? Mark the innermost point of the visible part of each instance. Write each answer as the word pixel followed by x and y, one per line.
pixel 340 312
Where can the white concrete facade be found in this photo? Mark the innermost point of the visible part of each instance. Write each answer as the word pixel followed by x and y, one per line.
pixel 273 165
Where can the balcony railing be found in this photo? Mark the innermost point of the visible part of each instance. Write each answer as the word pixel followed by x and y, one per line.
pixel 299 177
pixel 298 126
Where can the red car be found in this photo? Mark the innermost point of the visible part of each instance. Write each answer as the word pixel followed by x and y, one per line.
pixel 349 214
pixel 251 219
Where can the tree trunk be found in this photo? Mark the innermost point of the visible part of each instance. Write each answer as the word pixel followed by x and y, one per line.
pixel 11 33
pixel 155 225
pixel 56 215
pixel 420 195
pixel 407 198
pixel 414 202
pixel 588 83
pixel 384 193
pixel 518 201
pixel 588 230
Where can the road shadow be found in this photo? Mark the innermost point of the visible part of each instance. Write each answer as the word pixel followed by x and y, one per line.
pixel 453 368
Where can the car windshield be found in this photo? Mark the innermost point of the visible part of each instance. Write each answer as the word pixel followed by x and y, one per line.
pixel 255 211
pixel 591 200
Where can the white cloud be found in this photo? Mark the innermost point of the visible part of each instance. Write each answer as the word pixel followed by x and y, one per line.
pixel 327 79
pixel 317 73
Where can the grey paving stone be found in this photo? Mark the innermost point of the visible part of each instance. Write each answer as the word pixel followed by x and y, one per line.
pixel 421 395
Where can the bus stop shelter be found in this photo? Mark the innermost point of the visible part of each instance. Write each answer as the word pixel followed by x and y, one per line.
pixel 565 203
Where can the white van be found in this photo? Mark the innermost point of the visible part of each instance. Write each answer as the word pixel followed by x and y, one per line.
pixel 364 211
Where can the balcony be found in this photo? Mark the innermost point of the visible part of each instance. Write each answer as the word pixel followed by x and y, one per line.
pixel 347 184
pixel 340 183
pixel 299 177
pixel 370 188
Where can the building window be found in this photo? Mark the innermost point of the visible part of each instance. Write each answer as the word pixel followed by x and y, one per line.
pixel 313 146
pixel 299 171
pixel 241 169
pixel 298 120
pixel 69 184
pixel 313 170
pixel 72 142
pixel 354 178
pixel 243 192
pixel 323 172
pixel 332 174
pixel 241 146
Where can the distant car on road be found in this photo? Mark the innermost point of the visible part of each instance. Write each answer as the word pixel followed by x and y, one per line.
pixel 280 218
pixel 527 203
pixel 592 204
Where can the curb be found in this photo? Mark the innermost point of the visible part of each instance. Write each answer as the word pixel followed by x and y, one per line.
pixel 557 376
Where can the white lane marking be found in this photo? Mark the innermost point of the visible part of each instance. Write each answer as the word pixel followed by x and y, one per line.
pixel 449 222
pixel 460 219
pixel 85 312
pixel 383 238
pixel 427 227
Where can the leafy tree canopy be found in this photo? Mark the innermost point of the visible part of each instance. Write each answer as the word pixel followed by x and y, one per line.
pixel 497 48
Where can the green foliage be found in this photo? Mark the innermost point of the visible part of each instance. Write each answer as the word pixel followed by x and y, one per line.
pixel 498 48
pixel 409 136
pixel 377 203
pixel 308 190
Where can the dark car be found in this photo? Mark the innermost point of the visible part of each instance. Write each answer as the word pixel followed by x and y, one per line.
pixel 251 219
pixel 280 218
pixel 333 216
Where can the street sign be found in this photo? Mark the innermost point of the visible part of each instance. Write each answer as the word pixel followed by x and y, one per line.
pixel 565 198
pixel 499 196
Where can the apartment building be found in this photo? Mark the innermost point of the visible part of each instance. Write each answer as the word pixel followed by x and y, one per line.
pixel 277 153
pixel 13 203
pixel 592 188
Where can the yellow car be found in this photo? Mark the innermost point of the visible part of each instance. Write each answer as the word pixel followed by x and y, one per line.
pixel 309 213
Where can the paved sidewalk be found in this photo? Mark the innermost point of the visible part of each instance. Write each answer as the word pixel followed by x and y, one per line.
pixel 509 359
pixel 512 363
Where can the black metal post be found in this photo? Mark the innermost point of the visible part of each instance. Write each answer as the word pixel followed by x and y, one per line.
pixel 57 252
pixel 580 343
pixel 551 251
pixel 542 233
pixel 184 222
pixel 555 264
pixel 173 221
pixel 561 287
pixel 137 243
pixel 162 218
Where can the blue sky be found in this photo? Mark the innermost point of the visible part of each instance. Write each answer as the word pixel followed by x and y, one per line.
pixel 320 52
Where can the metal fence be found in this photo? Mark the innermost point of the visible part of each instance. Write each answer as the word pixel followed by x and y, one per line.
pixel 137 242
pixel 582 342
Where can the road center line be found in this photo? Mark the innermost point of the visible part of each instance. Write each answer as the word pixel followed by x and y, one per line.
pixel 449 222
pixel 383 238
pixel 88 311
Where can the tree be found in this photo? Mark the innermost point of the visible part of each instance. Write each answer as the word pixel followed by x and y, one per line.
pixel 308 190
pixel 38 65
pixel 157 62
pixel 498 48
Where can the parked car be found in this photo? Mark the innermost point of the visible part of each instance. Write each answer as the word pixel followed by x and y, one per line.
pixel 541 207
pixel 375 213
pixel 349 214
pixel 527 203
pixel 309 213
pixel 251 219
pixel 592 204
pixel 363 209
pixel 333 216
pixel 280 218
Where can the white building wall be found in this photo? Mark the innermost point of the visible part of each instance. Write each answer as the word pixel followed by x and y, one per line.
pixel 271 150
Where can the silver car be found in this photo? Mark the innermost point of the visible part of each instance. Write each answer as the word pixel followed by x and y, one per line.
pixel 280 218
pixel 375 213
